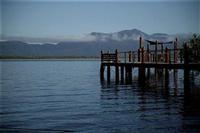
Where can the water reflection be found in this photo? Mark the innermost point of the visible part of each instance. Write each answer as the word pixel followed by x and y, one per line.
pixel 159 104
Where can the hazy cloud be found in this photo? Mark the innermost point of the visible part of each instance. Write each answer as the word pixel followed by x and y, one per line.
pixel 68 38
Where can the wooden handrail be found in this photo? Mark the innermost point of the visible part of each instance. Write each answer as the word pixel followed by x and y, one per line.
pixel 143 56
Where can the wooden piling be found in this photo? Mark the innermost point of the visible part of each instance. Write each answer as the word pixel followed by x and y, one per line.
pixel 148 73
pixel 128 73
pixel 102 72
pixel 130 56
pixel 141 74
pixel 122 73
pixel 108 73
pixel 166 77
pixel 117 73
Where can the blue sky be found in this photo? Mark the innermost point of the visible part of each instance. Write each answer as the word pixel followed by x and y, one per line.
pixel 66 18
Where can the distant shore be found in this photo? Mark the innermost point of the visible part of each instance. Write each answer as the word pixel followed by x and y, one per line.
pixel 49 58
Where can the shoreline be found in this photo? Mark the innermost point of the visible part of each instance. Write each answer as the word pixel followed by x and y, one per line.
pixel 47 59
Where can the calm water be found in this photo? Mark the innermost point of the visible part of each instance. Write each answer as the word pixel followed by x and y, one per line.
pixel 57 96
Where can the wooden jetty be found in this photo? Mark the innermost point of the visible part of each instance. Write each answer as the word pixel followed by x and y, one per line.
pixel 146 57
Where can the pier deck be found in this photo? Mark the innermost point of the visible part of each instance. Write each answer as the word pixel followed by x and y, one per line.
pixel 193 66
pixel 146 59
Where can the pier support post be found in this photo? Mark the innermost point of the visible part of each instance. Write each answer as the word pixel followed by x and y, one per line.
pixel 148 73
pixel 117 74
pixel 130 73
pixel 186 82
pixel 175 81
pixel 126 73
pixel 141 75
pixel 128 69
pixel 102 72
pixel 166 81
pixel 130 56
pixel 122 74
pixel 108 73
pixel 166 78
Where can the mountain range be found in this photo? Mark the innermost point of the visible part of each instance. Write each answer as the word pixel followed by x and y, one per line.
pixel 123 40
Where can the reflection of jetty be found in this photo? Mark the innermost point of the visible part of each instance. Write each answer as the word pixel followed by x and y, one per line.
pixel 145 58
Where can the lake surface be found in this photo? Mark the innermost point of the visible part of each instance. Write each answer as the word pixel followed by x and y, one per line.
pixel 60 95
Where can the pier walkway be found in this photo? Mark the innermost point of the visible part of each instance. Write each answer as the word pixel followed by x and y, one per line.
pixel 153 55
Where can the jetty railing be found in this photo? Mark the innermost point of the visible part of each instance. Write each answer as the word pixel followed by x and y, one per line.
pixel 169 56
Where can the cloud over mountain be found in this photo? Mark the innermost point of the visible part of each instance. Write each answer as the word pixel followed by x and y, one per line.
pixel 132 34
pixel 85 45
